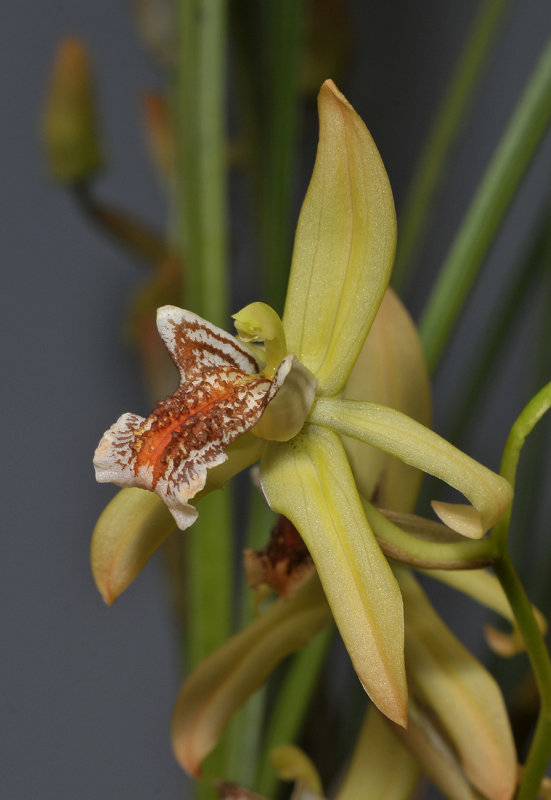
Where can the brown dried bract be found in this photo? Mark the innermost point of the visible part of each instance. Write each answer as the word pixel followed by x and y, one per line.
pixel 284 564
pixel 231 791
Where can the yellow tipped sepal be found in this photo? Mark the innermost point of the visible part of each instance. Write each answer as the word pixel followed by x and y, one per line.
pixel 460 693
pixel 221 683
pixel 310 482
pixel 344 246
pixel 292 764
pixel 381 767
pixel 131 527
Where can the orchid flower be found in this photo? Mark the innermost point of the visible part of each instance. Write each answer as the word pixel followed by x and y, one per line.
pixel 276 392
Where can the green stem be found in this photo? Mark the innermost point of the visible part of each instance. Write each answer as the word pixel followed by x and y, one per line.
pixel 201 139
pixel 536 480
pixel 266 39
pixel 487 210
pixel 201 211
pixel 201 206
pixel 429 171
pixel 292 704
pixel 284 29
pixel 246 726
pixel 540 749
pixel 524 424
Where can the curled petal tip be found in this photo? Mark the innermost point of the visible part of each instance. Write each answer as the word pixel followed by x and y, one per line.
pixel 462 518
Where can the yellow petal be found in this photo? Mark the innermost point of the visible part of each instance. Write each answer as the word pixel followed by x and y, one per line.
pixel 402 436
pixel 344 246
pixel 381 766
pixel 461 693
pixel 390 370
pixel 292 764
pixel 131 527
pixel 229 676
pixel 433 752
pixel 309 481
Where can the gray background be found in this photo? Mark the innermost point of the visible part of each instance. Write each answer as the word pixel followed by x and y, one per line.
pixel 87 691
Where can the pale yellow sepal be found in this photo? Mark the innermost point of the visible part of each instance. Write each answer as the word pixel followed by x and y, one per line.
pixel 402 436
pixel 228 677
pixel 390 370
pixel 485 588
pixel 309 481
pixel 460 693
pixel 381 766
pixel 431 748
pixel 129 530
pixel 344 246
pixel 292 764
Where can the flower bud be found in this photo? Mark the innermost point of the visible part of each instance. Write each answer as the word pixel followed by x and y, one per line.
pixel 69 125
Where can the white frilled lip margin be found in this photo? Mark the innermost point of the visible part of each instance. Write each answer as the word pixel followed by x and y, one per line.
pixel 222 395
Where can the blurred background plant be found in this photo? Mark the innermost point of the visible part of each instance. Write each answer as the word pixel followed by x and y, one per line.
pixel 231 131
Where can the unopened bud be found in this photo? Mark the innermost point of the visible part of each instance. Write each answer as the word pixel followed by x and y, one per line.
pixel 69 125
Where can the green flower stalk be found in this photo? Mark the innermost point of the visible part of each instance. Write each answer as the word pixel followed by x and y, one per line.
pixel 277 392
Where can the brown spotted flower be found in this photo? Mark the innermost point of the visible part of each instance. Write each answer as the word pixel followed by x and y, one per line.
pixel 279 392
pixel 222 394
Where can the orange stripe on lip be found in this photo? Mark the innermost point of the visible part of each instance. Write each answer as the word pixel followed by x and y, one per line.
pixel 155 442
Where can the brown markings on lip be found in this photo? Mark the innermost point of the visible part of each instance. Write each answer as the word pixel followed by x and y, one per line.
pixel 192 418
pixel 185 348
pixel 221 395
